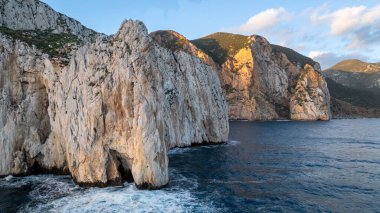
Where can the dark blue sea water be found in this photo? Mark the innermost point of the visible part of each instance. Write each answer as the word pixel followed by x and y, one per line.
pixel 266 167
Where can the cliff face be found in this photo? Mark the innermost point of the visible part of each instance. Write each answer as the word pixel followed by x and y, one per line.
pixel 37 16
pixel 310 100
pixel 110 114
pixel 177 42
pixel 122 102
pixel 263 81
pixel 24 123
pixel 355 86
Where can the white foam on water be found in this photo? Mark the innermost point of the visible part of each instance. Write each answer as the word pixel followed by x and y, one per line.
pixel 15 182
pixel 235 181
pixel 233 143
pixel 126 199
pixel 51 188
pixel 55 194
pixel 8 178
pixel 179 150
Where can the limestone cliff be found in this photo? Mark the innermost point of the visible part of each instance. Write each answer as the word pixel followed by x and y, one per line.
pixel 24 123
pixel 35 15
pixel 310 100
pixel 107 115
pixel 177 42
pixel 261 81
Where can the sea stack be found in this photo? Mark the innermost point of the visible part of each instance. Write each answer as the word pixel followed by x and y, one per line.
pixel 103 109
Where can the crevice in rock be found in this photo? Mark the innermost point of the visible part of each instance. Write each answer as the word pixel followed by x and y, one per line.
pixel 125 173
pixel 123 167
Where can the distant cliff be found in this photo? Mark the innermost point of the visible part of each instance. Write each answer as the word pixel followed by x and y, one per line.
pixel 261 81
pixel 104 109
pixel 33 15
pixel 355 88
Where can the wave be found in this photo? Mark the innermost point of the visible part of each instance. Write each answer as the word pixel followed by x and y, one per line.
pixel 181 150
pixel 235 181
pixel 124 199
pixel 60 194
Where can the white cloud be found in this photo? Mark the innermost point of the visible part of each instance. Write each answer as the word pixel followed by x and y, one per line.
pixel 324 34
pixel 315 54
pixel 264 20
pixel 343 20
pixel 359 25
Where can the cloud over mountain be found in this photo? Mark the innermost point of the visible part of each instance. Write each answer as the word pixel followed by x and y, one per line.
pixel 264 20
pixel 359 25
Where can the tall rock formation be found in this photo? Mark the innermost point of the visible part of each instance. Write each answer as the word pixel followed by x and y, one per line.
pixel 310 100
pixel 261 81
pixel 108 114
pixel 355 88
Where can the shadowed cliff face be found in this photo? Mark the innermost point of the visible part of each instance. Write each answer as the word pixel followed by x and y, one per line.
pixel 261 81
pixel 355 86
pixel 110 112
pixel 24 123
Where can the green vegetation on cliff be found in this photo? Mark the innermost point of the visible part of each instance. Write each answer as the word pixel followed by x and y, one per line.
pixel 355 82
pixel 170 39
pixel 356 97
pixel 294 56
pixel 219 46
pixel 46 41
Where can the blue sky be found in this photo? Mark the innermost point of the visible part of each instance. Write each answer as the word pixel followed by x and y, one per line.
pixel 328 31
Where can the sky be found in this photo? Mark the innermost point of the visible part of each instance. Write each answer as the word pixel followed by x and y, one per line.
pixel 327 31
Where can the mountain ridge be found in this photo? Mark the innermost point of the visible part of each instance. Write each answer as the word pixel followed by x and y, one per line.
pixel 355 87
pixel 356 65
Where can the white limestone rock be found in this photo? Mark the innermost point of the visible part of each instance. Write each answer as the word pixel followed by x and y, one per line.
pixel 111 114
pixel 36 15
pixel 311 100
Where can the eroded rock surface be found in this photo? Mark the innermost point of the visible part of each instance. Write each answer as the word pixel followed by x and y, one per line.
pixel 123 101
pixel 38 16
pixel 24 123
pixel 111 114
pixel 261 81
pixel 311 99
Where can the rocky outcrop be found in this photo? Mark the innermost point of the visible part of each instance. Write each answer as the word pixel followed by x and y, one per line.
pixel 177 42
pixel 355 86
pixel 123 102
pixel 266 82
pixel 111 113
pixel 37 16
pixel 311 100
pixel 37 24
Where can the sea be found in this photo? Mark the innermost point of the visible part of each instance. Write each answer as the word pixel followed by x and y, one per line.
pixel 273 166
